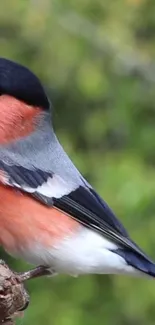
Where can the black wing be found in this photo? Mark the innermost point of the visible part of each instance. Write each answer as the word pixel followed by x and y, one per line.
pixel 82 204
pixel 26 180
pixel 86 206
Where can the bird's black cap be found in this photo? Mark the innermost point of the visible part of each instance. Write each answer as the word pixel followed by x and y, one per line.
pixel 21 83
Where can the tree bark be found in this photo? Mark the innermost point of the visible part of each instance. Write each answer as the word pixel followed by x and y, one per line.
pixel 13 296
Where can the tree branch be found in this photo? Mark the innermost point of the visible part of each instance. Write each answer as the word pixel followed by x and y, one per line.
pixel 13 296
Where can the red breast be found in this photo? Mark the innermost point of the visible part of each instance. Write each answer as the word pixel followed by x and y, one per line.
pixel 24 221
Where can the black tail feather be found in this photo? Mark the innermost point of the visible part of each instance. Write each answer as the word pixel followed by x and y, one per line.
pixel 136 260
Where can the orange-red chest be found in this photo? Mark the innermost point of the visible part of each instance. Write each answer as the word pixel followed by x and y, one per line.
pixel 24 221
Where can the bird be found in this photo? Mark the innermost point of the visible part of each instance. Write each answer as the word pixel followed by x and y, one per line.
pixel 50 215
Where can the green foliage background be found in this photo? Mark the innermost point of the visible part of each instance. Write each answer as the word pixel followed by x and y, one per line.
pixel 97 61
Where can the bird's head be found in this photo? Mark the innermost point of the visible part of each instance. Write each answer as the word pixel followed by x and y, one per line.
pixel 22 100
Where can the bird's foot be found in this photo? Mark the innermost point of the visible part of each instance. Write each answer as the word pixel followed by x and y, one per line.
pixel 34 273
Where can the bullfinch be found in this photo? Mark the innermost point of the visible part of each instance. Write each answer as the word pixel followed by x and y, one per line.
pixel 49 214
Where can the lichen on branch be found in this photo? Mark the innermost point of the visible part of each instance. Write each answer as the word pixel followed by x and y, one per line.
pixel 13 296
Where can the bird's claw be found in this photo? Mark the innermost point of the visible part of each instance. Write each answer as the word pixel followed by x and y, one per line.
pixel 34 273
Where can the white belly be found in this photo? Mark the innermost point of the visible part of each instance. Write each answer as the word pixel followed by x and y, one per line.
pixel 83 253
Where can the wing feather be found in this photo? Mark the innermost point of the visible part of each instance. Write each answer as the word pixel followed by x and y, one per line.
pixel 80 202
